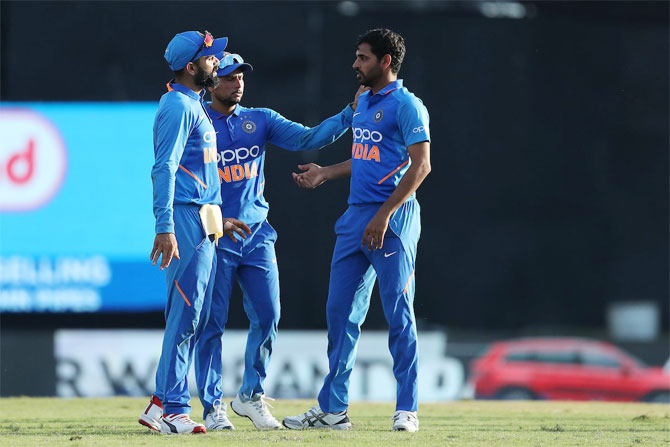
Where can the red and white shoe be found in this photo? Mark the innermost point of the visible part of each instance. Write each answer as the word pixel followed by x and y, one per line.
pixel 151 418
pixel 180 423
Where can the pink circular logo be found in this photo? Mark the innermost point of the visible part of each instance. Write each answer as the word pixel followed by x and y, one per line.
pixel 33 160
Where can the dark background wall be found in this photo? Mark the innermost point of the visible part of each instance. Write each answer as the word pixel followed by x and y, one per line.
pixel 549 192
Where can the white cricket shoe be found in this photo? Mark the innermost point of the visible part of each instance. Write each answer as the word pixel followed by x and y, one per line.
pixel 405 421
pixel 257 411
pixel 180 423
pixel 151 418
pixel 217 418
pixel 317 418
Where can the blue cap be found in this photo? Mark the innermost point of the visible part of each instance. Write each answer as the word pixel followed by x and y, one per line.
pixel 190 45
pixel 231 62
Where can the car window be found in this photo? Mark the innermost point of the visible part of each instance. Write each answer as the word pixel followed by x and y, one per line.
pixel 519 356
pixel 564 357
pixel 592 358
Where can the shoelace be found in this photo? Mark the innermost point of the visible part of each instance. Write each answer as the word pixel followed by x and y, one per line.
pixel 184 419
pixel 404 417
pixel 315 411
pixel 262 406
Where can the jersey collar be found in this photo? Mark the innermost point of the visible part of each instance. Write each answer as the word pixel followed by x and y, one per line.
pixel 395 85
pixel 217 116
pixel 185 90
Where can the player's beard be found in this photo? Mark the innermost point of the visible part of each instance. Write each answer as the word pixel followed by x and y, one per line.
pixel 206 80
pixel 370 79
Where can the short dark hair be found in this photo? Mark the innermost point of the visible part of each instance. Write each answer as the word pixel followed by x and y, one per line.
pixel 383 41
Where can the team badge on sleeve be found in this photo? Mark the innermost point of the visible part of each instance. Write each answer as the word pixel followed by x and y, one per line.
pixel 249 126
pixel 378 115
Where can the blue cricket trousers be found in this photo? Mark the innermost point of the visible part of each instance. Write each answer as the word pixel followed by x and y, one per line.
pixel 352 276
pixel 188 281
pixel 253 262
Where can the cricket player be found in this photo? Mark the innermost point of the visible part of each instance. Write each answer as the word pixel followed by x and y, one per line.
pixel 186 203
pixel 242 134
pixel 377 235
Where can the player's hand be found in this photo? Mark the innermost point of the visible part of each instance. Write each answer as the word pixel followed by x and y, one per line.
pixel 360 90
pixel 373 236
pixel 231 227
pixel 165 245
pixel 313 176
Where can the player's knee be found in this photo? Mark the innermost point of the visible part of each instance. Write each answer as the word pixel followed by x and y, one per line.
pixel 269 321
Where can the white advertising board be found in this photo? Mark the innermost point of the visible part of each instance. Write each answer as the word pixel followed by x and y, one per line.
pixel 123 362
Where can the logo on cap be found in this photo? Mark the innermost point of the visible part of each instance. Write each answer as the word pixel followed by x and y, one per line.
pixel 249 126
pixel 378 116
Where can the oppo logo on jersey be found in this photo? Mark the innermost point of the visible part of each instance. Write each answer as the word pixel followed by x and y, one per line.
pixel 363 135
pixel 239 170
pixel 237 155
pixel 360 149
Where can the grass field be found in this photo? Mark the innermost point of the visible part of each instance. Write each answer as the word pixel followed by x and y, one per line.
pixel 113 422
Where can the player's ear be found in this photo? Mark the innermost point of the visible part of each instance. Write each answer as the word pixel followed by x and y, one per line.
pixel 386 61
pixel 191 68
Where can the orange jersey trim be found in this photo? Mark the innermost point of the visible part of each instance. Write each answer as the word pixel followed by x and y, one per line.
pixel 182 293
pixel 192 175
pixel 392 172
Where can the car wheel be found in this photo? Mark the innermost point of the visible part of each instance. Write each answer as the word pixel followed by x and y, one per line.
pixel 515 394
pixel 659 397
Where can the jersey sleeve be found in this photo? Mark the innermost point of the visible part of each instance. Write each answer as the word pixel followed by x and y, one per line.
pixel 171 130
pixel 294 136
pixel 413 121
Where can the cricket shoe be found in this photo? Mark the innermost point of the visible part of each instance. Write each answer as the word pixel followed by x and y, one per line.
pixel 317 418
pixel 180 423
pixel 151 418
pixel 405 421
pixel 217 418
pixel 257 411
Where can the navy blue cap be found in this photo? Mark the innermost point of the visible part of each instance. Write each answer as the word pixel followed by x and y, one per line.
pixel 191 45
pixel 231 62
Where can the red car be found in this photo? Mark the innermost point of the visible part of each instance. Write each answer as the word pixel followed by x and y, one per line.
pixel 565 368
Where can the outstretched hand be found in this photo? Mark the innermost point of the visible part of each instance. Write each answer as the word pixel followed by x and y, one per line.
pixel 313 176
pixel 231 227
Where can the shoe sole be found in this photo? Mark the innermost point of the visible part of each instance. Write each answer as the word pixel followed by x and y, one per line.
pixel 149 425
pixel 196 431
pixel 405 429
pixel 252 421
pixel 225 427
pixel 321 427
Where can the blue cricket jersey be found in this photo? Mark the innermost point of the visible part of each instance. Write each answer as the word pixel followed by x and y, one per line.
pixel 241 139
pixel 185 152
pixel 384 125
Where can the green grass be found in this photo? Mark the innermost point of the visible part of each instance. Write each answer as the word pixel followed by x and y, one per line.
pixel 113 422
